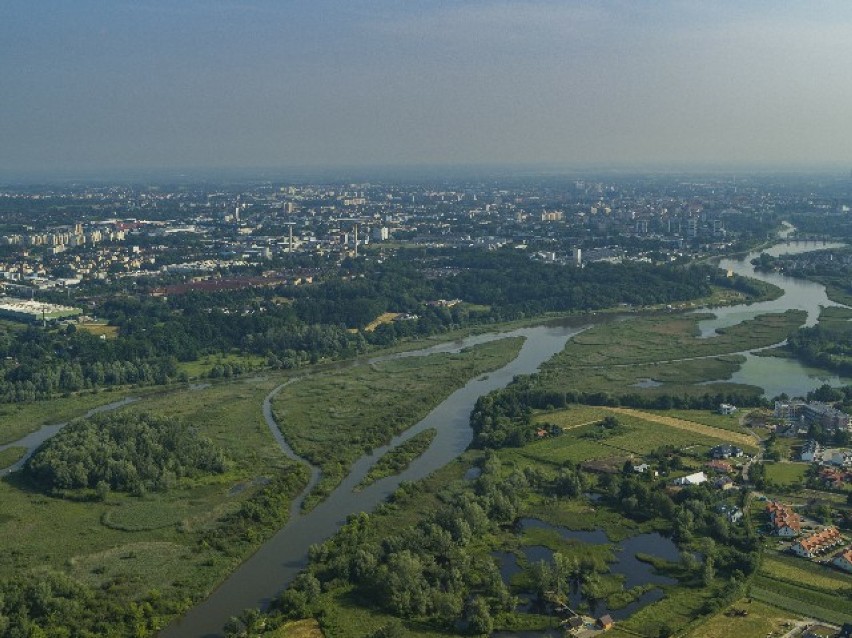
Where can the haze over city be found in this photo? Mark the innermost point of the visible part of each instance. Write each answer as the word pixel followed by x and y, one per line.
pixel 123 86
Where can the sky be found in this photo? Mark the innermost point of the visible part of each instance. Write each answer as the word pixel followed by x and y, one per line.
pixel 158 84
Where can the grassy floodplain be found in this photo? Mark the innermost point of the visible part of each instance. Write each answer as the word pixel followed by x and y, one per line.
pixel 334 417
pixel 19 419
pixel 171 541
pixel 11 455
pixel 621 356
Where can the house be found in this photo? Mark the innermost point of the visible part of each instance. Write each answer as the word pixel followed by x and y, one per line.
pixel 783 521
pixel 692 479
pixel 810 451
pixel 732 513
pixel 727 408
pixel 726 452
pixel 605 622
pixel 575 622
pixel 724 483
pixel 644 468
pixel 844 560
pixel 817 543
pixel 720 466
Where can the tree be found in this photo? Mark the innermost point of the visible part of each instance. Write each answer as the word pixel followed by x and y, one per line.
pixel 479 617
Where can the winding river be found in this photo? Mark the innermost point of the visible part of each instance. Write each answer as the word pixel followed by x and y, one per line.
pixel 263 575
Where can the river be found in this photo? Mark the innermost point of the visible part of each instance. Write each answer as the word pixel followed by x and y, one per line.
pixel 776 375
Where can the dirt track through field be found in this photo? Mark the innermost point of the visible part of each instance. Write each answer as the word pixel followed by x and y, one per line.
pixel 689 426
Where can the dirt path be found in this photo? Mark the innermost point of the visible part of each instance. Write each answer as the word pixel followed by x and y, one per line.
pixel 690 426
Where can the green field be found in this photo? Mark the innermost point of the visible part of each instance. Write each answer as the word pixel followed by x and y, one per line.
pixel 805 573
pixel 642 436
pixel 203 366
pixel 800 599
pixel 11 455
pixel 673 337
pixel 786 474
pixel 334 417
pixel 19 419
pixel 707 417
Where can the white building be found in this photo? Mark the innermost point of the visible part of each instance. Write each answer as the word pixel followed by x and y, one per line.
pixel 692 479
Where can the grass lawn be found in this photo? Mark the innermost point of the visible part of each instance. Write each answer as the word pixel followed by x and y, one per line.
pixel 99 329
pixel 761 621
pixel 195 369
pixel 786 474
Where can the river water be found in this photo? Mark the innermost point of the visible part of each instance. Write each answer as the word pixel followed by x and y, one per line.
pixel 776 375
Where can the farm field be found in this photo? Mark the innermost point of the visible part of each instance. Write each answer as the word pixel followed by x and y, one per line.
pixel 707 417
pixel 743 440
pixel 645 432
pixel 801 599
pixel 802 572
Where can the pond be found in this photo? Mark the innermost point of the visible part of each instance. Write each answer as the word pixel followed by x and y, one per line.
pixel 626 564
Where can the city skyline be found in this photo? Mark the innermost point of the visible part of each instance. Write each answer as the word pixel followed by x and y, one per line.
pixel 96 86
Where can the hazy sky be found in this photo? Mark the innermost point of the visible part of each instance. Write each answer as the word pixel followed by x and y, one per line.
pixel 226 83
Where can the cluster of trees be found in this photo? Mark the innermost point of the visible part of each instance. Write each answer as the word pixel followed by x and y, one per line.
pixel 428 572
pixel 126 452
pixel 827 345
pixel 40 364
pixel 516 286
pixel 261 514
pixel 52 605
